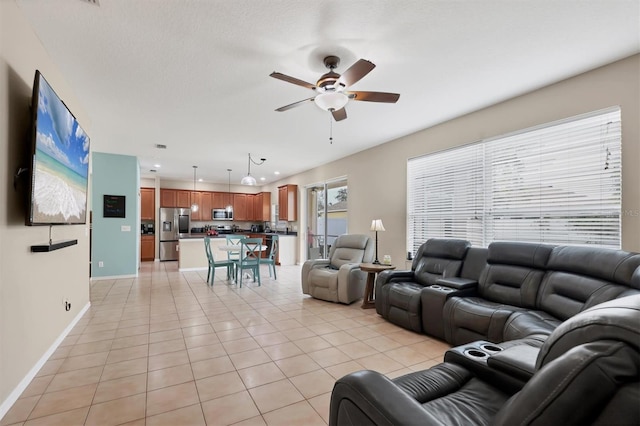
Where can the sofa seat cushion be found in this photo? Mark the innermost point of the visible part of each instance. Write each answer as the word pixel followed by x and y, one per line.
pixel 467 319
pixel 403 304
pixel 447 385
pixel 323 283
pixel 524 324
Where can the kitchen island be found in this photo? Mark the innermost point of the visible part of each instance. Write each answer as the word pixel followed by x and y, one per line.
pixel 191 254
pixel 192 257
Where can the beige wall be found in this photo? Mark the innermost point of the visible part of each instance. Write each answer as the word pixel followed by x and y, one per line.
pixel 32 285
pixel 377 177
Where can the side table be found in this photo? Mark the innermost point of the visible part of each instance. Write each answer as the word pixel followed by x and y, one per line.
pixel 371 269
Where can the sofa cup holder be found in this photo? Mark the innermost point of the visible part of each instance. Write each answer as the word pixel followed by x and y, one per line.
pixel 490 348
pixel 476 354
pixel 441 288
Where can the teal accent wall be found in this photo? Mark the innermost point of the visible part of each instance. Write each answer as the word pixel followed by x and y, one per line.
pixel 118 250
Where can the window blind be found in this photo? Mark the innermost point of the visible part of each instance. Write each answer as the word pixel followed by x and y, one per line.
pixel 558 183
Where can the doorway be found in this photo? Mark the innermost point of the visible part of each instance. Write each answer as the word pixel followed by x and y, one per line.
pixel 327 216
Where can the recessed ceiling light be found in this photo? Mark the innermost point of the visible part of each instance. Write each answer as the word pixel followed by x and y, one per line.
pixel 200 180
pixel 262 178
pixel 276 173
pixel 157 166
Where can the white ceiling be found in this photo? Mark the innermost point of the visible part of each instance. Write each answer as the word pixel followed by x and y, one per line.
pixel 194 74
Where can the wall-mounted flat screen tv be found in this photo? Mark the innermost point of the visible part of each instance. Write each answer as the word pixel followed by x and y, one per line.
pixel 59 161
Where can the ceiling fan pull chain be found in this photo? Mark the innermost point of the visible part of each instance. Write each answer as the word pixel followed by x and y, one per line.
pixel 330 129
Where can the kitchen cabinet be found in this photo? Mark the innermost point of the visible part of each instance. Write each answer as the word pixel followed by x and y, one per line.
pixel 265 207
pixel 240 207
pixel 221 200
pixel 168 198
pixel 196 197
pixel 147 247
pixel 183 199
pixel 288 203
pixel 147 204
pixel 206 198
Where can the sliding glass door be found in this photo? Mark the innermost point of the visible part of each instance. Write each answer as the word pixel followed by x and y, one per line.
pixel 327 216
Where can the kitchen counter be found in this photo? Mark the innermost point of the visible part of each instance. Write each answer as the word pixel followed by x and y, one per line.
pixel 191 254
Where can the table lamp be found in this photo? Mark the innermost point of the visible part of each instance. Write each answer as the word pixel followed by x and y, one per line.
pixel 376 225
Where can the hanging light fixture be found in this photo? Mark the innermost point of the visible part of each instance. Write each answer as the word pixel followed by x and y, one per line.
pixel 194 205
pixel 229 207
pixel 248 179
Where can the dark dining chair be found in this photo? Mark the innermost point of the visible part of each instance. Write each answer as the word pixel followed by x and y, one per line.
pixel 213 264
pixel 271 259
pixel 250 258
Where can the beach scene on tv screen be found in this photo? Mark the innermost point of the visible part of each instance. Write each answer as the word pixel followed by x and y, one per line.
pixel 61 162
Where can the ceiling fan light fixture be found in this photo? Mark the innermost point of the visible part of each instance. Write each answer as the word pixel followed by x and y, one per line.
pixel 331 101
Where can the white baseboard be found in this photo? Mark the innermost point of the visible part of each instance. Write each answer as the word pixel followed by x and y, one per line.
pixel 193 269
pixel 114 277
pixel 15 394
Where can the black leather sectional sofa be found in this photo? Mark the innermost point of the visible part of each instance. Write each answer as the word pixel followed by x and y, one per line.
pixel 506 292
pixel 542 335
pixel 586 373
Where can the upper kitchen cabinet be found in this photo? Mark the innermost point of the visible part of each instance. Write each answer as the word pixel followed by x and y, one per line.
pixel 183 199
pixel 147 204
pixel 197 199
pixel 262 206
pixel 168 198
pixel 206 206
pixel 288 203
pixel 221 200
pixel 240 211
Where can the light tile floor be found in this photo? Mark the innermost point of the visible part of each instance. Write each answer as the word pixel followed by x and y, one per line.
pixel 166 349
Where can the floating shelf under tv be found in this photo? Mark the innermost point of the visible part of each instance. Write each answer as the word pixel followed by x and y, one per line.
pixel 53 246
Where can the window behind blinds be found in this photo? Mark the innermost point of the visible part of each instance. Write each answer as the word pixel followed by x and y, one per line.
pixel 559 183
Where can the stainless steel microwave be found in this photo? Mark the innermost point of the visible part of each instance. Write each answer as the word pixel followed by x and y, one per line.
pixel 221 214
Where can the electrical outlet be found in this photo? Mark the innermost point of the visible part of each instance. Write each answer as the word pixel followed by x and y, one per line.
pixel 100 264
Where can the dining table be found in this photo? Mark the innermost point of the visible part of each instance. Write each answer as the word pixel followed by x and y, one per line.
pixel 235 248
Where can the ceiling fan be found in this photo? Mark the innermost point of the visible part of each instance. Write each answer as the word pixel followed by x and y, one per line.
pixel 331 94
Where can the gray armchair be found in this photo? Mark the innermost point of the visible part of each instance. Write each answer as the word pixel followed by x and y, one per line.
pixel 339 278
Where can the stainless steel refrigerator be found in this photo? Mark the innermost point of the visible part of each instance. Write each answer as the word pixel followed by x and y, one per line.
pixel 173 222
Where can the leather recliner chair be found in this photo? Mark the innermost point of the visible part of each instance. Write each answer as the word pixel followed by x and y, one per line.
pixel 339 278
pixel 587 372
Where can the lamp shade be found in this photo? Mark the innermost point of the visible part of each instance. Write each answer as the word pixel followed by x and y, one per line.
pixel 248 180
pixel 376 225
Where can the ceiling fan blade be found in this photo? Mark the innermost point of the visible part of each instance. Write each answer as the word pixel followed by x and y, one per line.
pixel 339 114
pixel 356 72
pixel 293 80
pixel 374 96
pixel 293 105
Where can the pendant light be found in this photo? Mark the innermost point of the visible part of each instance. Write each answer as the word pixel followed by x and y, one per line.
pixel 229 207
pixel 194 205
pixel 248 179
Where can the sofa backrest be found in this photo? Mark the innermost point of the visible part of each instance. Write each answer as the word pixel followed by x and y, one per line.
pixel 513 273
pixel 578 278
pixel 438 258
pixel 351 248
pixel 474 263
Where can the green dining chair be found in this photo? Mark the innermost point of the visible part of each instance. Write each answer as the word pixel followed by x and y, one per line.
pixel 213 264
pixel 250 258
pixel 271 259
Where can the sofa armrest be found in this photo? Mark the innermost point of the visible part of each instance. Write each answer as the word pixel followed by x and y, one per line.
pixel 389 276
pixel 457 283
pixel 518 361
pixel 307 267
pixel 369 398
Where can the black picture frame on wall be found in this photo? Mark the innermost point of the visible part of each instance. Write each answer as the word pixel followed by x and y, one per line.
pixel 114 206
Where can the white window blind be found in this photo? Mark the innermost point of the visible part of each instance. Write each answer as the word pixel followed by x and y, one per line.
pixel 559 183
